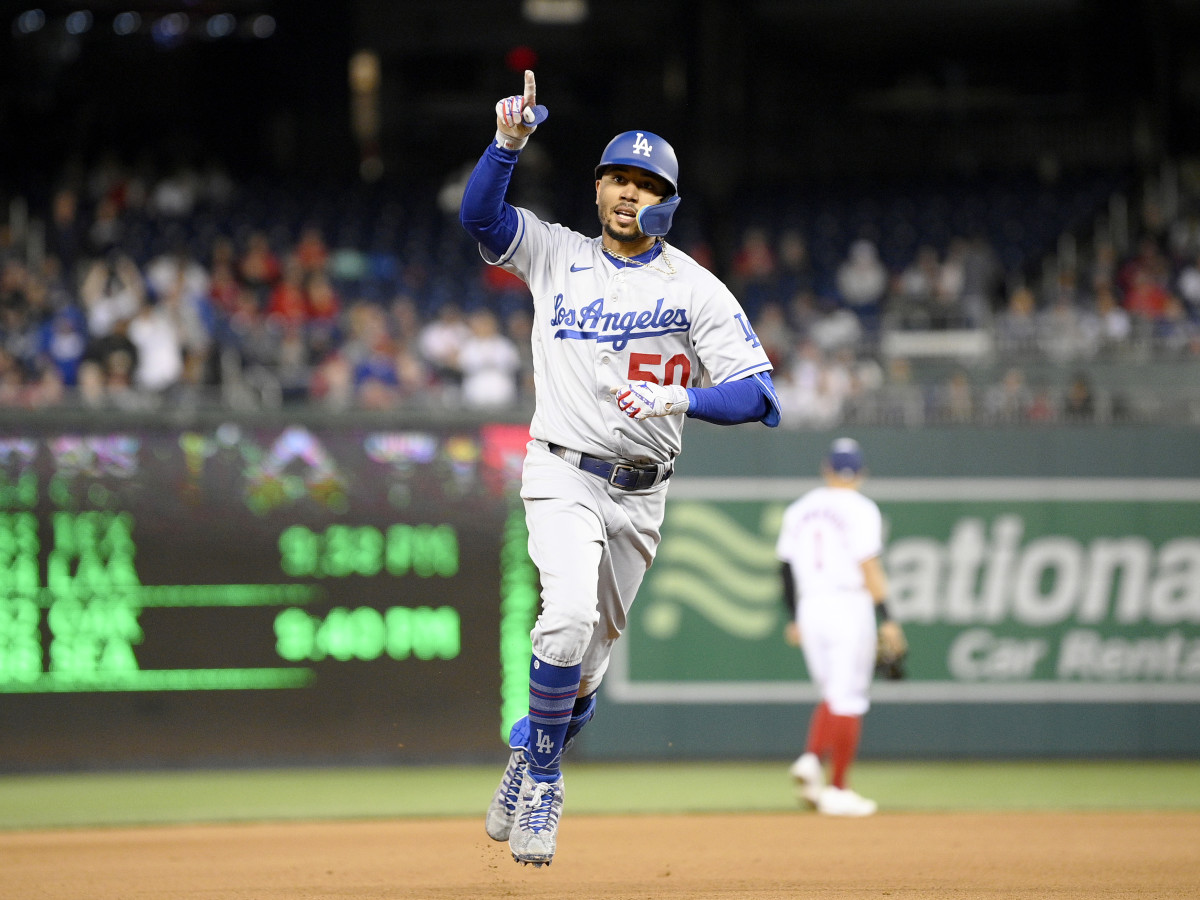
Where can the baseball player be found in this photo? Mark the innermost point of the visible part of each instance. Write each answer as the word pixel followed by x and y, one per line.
pixel 630 336
pixel 835 586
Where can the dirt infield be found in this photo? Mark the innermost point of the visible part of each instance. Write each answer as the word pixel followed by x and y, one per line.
pixel 730 857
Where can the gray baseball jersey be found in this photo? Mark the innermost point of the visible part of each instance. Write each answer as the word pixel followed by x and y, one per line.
pixel 597 326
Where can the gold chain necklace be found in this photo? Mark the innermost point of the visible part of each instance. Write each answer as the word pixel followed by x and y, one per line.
pixel 670 270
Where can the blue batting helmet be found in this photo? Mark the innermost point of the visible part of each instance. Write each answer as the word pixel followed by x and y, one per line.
pixel 648 151
pixel 845 457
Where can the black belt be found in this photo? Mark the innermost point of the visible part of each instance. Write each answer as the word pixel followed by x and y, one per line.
pixel 619 475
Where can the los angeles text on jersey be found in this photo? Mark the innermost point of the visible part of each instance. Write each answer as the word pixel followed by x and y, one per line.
pixel 593 323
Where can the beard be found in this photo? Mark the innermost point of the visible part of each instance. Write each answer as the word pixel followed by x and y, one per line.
pixel 620 236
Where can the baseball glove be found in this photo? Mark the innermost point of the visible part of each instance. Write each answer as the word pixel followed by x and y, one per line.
pixel 889 665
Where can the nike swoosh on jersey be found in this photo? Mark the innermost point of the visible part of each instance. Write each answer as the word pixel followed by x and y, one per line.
pixel 575 268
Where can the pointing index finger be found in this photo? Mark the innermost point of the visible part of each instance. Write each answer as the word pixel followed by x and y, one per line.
pixel 530 89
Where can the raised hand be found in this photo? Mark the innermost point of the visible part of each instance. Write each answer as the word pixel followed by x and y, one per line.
pixel 518 117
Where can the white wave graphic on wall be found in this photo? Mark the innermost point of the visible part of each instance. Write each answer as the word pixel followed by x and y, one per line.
pixel 716 567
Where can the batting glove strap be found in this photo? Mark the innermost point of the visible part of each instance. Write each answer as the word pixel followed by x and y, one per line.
pixel 508 142
pixel 644 400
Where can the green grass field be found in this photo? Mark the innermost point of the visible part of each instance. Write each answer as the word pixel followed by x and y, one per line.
pixel 93 799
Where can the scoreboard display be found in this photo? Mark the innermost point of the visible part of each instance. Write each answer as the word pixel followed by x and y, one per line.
pixel 240 593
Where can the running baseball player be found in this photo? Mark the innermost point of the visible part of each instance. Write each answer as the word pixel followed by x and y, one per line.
pixel 630 336
pixel 836 588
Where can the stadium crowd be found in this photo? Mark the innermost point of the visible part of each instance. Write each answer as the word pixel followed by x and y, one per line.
pixel 113 297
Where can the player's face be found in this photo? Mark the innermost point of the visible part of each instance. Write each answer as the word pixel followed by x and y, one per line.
pixel 620 193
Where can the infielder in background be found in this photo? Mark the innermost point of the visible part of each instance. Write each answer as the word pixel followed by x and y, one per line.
pixel 627 333
pixel 836 589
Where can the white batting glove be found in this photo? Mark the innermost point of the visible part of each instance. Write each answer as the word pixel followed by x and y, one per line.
pixel 518 117
pixel 645 399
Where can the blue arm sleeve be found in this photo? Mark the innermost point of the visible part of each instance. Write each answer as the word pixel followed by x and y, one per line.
pixel 484 213
pixel 750 399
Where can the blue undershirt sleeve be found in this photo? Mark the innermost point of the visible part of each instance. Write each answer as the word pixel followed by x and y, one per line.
pixel 750 399
pixel 484 213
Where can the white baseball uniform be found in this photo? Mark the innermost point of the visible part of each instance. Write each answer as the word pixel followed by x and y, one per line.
pixel 826 536
pixel 599 324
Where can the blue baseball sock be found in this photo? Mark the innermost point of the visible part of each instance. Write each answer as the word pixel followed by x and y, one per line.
pixel 552 692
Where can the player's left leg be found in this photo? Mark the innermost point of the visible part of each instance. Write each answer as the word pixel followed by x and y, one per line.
pixel 565 540
pixel 847 683
pixel 808 771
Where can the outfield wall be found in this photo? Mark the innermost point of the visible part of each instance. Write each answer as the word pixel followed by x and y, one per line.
pixel 1048 581
pixel 306 590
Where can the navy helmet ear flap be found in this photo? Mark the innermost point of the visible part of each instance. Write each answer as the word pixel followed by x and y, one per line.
pixel 655 220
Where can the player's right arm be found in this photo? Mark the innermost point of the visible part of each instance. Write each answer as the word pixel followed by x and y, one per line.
pixel 484 213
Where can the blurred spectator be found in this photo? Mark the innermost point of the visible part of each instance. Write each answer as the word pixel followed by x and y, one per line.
pixel 803 313
pixel 754 269
pixel 489 362
pixel 405 319
pixel 795 275
pixel 159 350
pixel 814 390
pixel 1187 284
pixel 981 279
pixel 112 291
pixel 519 328
pixel 1061 335
pixel 901 402
pixel 366 325
pixel 503 289
pixel 19 336
pixel 292 363
pixel 174 269
pixel 1008 401
pixel 312 253
pixel 189 316
pixel 835 327
pixel 1146 297
pixel 773 333
pixel 911 306
pixel 115 358
pixel 62 341
pixel 1113 323
pixel 1079 405
pixel 12 380
pixel 1017 325
pixel 955 400
pixel 947 310
pixel 106 230
pixel 1042 407
pixel 174 196
pixel 332 382
pixel 862 278
pixel 65 232
pixel 223 288
pixel 440 342
pixel 376 380
pixel 258 266
pixel 249 335
pixel 1174 332
pixel 287 301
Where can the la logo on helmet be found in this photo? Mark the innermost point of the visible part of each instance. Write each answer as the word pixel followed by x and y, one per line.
pixel 641 145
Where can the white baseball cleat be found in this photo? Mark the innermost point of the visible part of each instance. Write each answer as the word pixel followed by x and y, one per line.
pixel 535 833
pixel 809 777
pixel 502 812
pixel 835 801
